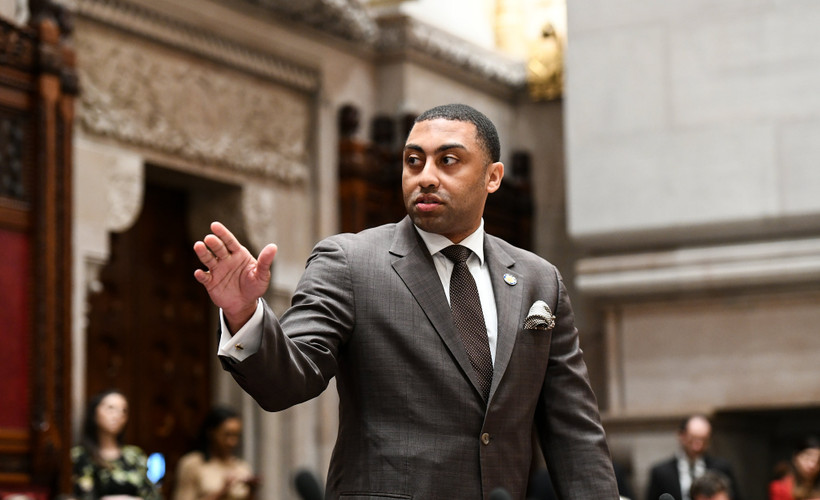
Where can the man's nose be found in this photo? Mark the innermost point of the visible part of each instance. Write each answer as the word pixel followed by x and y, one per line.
pixel 428 177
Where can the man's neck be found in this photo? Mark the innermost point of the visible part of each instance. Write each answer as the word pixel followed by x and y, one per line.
pixel 436 242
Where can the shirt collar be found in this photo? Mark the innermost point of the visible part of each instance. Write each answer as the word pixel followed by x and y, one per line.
pixel 436 242
pixel 683 459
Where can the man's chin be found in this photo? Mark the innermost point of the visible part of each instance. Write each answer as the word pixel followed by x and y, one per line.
pixel 427 223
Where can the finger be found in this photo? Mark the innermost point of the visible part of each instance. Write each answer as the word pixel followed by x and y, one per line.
pixel 266 256
pixel 217 246
pixel 227 237
pixel 202 276
pixel 204 254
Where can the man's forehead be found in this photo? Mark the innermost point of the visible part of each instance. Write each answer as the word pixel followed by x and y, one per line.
pixel 442 131
pixel 698 426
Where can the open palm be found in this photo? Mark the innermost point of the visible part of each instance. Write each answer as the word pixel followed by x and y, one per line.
pixel 234 279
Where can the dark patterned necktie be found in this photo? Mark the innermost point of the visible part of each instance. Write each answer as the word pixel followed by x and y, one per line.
pixel 468 317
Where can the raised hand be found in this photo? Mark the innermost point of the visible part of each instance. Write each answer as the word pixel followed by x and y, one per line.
pixel 234 279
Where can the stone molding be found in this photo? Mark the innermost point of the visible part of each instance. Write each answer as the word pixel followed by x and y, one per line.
pixel 790 262
pixel 392 33
pixel 388 35
pixel 401 34
pixel 343 18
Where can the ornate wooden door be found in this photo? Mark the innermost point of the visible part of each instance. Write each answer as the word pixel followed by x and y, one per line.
pixel 151 330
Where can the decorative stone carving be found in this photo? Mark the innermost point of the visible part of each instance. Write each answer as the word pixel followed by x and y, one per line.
pixel 125 189
pixel 109 186
pixel 259 204
pixel 545 68
pixel 21 12
pixel 152 25
pixel 184 107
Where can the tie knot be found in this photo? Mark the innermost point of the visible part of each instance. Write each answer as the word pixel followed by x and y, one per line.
pixel 457 253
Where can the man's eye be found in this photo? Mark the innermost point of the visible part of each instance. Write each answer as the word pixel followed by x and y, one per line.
pixel 412 161
pixel 449 160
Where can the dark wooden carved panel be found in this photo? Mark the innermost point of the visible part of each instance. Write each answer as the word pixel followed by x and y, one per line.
pixel 17 121
pixel 370 181
pixel 17 47
pixel 12 135
pixel 508 213
pixel 148 328
pixel 36 115
pixel 369 174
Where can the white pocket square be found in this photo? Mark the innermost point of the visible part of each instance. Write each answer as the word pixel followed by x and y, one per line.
pixel 540 317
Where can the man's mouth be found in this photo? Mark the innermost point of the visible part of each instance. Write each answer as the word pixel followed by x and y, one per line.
pixel 426 203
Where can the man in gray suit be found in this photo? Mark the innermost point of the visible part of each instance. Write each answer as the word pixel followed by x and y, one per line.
pixel 427 410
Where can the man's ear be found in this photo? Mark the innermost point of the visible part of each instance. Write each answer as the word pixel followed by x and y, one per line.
pixel 495 172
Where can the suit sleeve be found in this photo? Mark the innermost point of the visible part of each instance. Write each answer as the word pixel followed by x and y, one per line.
pixel 571 436
pixel 298 354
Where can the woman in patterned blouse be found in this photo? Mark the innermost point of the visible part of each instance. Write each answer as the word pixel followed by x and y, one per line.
pixel 103 467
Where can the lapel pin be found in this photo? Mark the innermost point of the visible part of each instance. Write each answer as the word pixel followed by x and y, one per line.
pixel 510 279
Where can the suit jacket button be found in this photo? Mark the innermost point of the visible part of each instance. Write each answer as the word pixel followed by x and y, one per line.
pixel 485 438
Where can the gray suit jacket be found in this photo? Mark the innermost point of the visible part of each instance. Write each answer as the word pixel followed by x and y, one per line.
pixel 371 311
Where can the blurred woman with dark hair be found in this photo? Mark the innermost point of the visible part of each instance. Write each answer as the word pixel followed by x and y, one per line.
pixel 213 471
pixel 103 466
pixel 801 480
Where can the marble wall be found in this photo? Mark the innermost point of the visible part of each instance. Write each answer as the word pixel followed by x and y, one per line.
pixel 692 117
pixel 692 195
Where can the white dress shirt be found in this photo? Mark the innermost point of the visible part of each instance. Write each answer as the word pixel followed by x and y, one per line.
pixel 478 268
pixel 247 340
pixel 686 470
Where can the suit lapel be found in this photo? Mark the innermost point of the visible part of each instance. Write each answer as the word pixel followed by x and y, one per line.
pixel 415 267
pixel 508 300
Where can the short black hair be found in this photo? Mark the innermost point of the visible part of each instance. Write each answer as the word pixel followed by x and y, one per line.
pixel 487 134
pixel 710 484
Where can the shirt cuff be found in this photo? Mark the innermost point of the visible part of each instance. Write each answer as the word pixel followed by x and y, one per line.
pixel 246 341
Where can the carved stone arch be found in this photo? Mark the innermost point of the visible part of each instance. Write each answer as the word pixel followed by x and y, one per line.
pixel 111 190
pixel 108 186
pixel 140 301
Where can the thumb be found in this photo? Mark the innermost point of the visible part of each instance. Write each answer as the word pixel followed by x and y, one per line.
pixel 265 260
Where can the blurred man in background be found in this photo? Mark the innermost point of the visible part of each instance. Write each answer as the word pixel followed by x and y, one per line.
pixel 676 474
